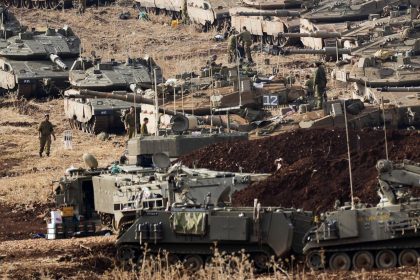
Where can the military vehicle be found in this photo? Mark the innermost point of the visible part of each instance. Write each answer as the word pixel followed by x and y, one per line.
pixel 266 24
pixel 40 4
pixel 113 75
pixel 357 236
pixel 189 233
pixel 96 115
pixel 339 16
pixel 33 63
pixel 113 195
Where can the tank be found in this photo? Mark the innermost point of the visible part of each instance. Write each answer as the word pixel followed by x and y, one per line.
pixel 357 236
pixel 170 8
pixel 209 13
pixel 35 63
pixel 114 75
pixel 189 234
pixel 336 16
pixel 96 115
pixel 113 195
pixel 266 24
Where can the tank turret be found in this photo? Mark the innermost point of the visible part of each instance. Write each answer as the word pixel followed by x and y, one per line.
pixel 36 63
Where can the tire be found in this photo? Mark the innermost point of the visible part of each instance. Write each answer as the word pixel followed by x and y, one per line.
pixel 340 262
pixel 386 259
pixel 41 5
pixel 363 260
pixel 408 257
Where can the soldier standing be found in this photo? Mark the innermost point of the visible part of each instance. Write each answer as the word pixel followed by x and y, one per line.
pixel 143 129
pixel 82 6
pixel 45 130
pixel 246 39
pixel 232 51
pixel 320 82
pixel 130 122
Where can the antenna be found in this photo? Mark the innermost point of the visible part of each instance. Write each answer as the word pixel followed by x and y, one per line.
pixel 383 116
pixel 348 155
pixel 156 104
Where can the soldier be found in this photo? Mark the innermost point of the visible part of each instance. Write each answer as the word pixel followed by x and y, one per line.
pixel 309 86
pixel 246 39
pixel 386 11
pixel 45 130
pixel 320 82
pixel 143 129
pixel 406 33
pixel 82 6
pixel 130 122
pixel 232 44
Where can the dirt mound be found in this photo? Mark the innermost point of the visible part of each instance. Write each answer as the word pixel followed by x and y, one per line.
pixel 21 221
pixel 314 171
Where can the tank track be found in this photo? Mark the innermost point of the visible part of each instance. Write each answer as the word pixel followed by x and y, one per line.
pixel 196 259
pixel 367 256
pixel 96 125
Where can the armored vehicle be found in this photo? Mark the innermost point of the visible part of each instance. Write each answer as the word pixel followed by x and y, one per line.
pixel 189 233
pixel 342 16
pixel 35 62
pixel 95 115
pixel 115 194
pixel 266 24
pixel 361 237
pixel 113 75
pixel 171 8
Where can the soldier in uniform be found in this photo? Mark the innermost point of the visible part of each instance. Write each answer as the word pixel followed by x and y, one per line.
pixel 130 122
pixel 246 39
pixel 82 6
pixel 232 50
pixel 45 130
pixel 143 129
pixel 406 33
pixel 319 82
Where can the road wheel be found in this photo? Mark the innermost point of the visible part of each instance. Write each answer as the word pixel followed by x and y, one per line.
pixel 386 259
pixel 315 261
pixel 340 262
pixel 408 257
pixel 27 4
pixel 53 4
pixel 363 260
pixel 17 3
pixel 41 5
pixel 127 256
pixel 193 263
pixel 261 261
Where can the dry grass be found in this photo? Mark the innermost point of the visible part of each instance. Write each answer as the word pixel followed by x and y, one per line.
pixel 26 178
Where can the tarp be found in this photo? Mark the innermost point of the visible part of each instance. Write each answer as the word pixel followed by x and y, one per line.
pixel 193 223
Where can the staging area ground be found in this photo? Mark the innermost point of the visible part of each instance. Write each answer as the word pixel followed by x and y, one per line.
pixel 27 181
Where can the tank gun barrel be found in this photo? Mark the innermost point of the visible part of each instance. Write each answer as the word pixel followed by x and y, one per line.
pixel 400 89
pixel 316 34
pixel 324 51
pixel 201 114
pixel 57 60
pixel 275 13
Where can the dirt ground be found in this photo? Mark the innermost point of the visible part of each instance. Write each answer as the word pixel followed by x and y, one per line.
pixel 27 181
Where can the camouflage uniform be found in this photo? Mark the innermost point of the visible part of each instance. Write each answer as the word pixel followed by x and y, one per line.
pixel 143 130
pixel 246 39
pixel 130 124
pixel 309 87
pixel 82 6
pixel 320 82
pixel 45 130
pixel 232 51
